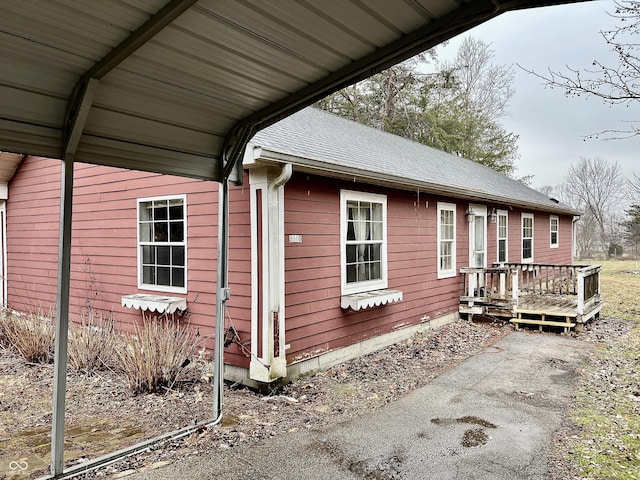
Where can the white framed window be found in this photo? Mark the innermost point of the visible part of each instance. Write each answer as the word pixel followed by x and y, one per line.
pixel 162 244
pixel 446 240
pixel 554 225
pixel 363 233
pixel 527 237
pixel 503 235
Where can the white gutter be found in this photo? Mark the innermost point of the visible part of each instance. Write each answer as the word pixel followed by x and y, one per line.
pixel 264 156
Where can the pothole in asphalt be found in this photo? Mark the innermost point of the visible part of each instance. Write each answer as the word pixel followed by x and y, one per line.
pixel 474 438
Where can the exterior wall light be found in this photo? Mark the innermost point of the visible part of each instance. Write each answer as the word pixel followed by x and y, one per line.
pixel 470 214
pixel 493 216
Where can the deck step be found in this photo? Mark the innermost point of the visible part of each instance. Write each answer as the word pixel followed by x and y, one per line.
pixel 541 323
pixel 530 321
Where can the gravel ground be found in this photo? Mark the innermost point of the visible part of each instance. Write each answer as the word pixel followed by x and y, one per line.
pixel 104 413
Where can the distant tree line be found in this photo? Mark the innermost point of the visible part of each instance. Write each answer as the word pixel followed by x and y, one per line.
pixel 610 206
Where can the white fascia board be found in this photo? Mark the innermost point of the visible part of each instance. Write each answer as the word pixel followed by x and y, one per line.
pixel 256 155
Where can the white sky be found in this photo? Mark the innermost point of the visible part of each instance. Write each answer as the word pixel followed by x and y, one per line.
pixel 552 127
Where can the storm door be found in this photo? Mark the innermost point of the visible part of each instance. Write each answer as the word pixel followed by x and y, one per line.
pixel 477 219
pixel 477 236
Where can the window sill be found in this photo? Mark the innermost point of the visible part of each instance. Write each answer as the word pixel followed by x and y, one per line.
pixel 358 301
pixel 154 303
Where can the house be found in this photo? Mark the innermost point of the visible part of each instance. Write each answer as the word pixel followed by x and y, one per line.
pixel 342 239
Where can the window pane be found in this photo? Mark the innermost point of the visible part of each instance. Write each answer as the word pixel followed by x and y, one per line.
pixel 377 212
pixel 177 256
pixel 161 232
pixel 148 254
pixel 160 210
pixel 502 250
pixel 351 273
pixel 176 209
pixel 526 248
pixel 164 276
pixel 445 255
pixel 164 255
pixel 148 275
pixel 146 230
pixel 176 231
pixel 376 252
pixel 145 211
pixel 177 277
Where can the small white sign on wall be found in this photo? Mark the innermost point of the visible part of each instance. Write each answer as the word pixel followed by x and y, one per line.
pixel 295 238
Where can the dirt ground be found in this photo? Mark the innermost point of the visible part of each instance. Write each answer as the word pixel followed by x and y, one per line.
pixel 103 415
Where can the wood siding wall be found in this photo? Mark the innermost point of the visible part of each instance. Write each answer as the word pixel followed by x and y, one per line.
pixel 316 323
pixel 104 252
pixel 104 249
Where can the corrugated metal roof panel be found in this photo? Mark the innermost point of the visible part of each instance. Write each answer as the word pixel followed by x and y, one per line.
pixel 211 70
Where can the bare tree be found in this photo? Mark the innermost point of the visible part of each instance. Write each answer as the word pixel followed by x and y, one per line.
pixel 617 84
pixel 595 187
pixel 633 188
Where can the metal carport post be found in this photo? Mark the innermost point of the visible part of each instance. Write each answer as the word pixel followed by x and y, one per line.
pixel 75 118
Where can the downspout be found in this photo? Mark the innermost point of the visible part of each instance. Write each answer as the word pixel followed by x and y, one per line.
pixel 276 269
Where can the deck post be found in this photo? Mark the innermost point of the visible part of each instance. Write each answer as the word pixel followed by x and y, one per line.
pixel 580 305
pixel 515 293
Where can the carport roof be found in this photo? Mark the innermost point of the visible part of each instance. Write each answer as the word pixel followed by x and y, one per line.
pixel 179 87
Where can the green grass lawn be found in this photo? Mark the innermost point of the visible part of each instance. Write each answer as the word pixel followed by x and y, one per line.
pixel 608 398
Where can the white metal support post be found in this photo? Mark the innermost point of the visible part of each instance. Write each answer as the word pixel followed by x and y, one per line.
pixel 222 295
pixel 62 318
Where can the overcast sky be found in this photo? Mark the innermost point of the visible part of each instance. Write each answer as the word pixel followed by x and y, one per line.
pixel 552 127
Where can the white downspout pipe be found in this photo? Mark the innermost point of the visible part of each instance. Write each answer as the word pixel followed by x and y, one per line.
pixel 276 264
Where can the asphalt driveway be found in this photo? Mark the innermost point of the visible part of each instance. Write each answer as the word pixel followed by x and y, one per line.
pixel 492 417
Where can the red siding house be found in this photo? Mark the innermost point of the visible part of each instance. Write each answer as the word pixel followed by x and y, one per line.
pixel 342 239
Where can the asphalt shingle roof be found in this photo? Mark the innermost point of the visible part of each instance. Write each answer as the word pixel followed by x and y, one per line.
pixel 318 137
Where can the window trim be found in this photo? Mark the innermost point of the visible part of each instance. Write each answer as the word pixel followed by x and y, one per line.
pixel 153 287
pixel 448 273
pixel 522 237
pixel 369 285
pixel 502 213
pixel 553 244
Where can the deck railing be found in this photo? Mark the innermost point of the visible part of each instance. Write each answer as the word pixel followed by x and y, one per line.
pixel 506 282
pixel 492 283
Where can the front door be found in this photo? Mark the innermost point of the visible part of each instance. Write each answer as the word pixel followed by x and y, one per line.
pixel 478 236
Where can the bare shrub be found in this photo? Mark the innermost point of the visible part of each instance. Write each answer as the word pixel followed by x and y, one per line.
pixel 92 343
pixel 155 354
pixel 32 335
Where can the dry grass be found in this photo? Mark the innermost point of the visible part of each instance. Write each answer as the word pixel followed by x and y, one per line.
pixel 607 401
pixel 32 335
pixel 155 354
pixel 92 344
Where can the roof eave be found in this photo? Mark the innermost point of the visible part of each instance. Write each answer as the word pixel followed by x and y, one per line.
pixel 258 156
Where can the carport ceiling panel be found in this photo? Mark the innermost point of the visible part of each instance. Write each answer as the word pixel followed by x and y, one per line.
pixel 179 95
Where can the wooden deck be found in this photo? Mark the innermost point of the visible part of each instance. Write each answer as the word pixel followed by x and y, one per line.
pixel 558 296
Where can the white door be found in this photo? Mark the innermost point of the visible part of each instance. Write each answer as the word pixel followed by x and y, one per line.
pixel 478 236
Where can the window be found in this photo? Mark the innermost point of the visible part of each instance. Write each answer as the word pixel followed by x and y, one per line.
pixel 162 244
pixel 527 238
pixel 503 235
pixel 553 228
pixel 446 240
pixel 364 250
